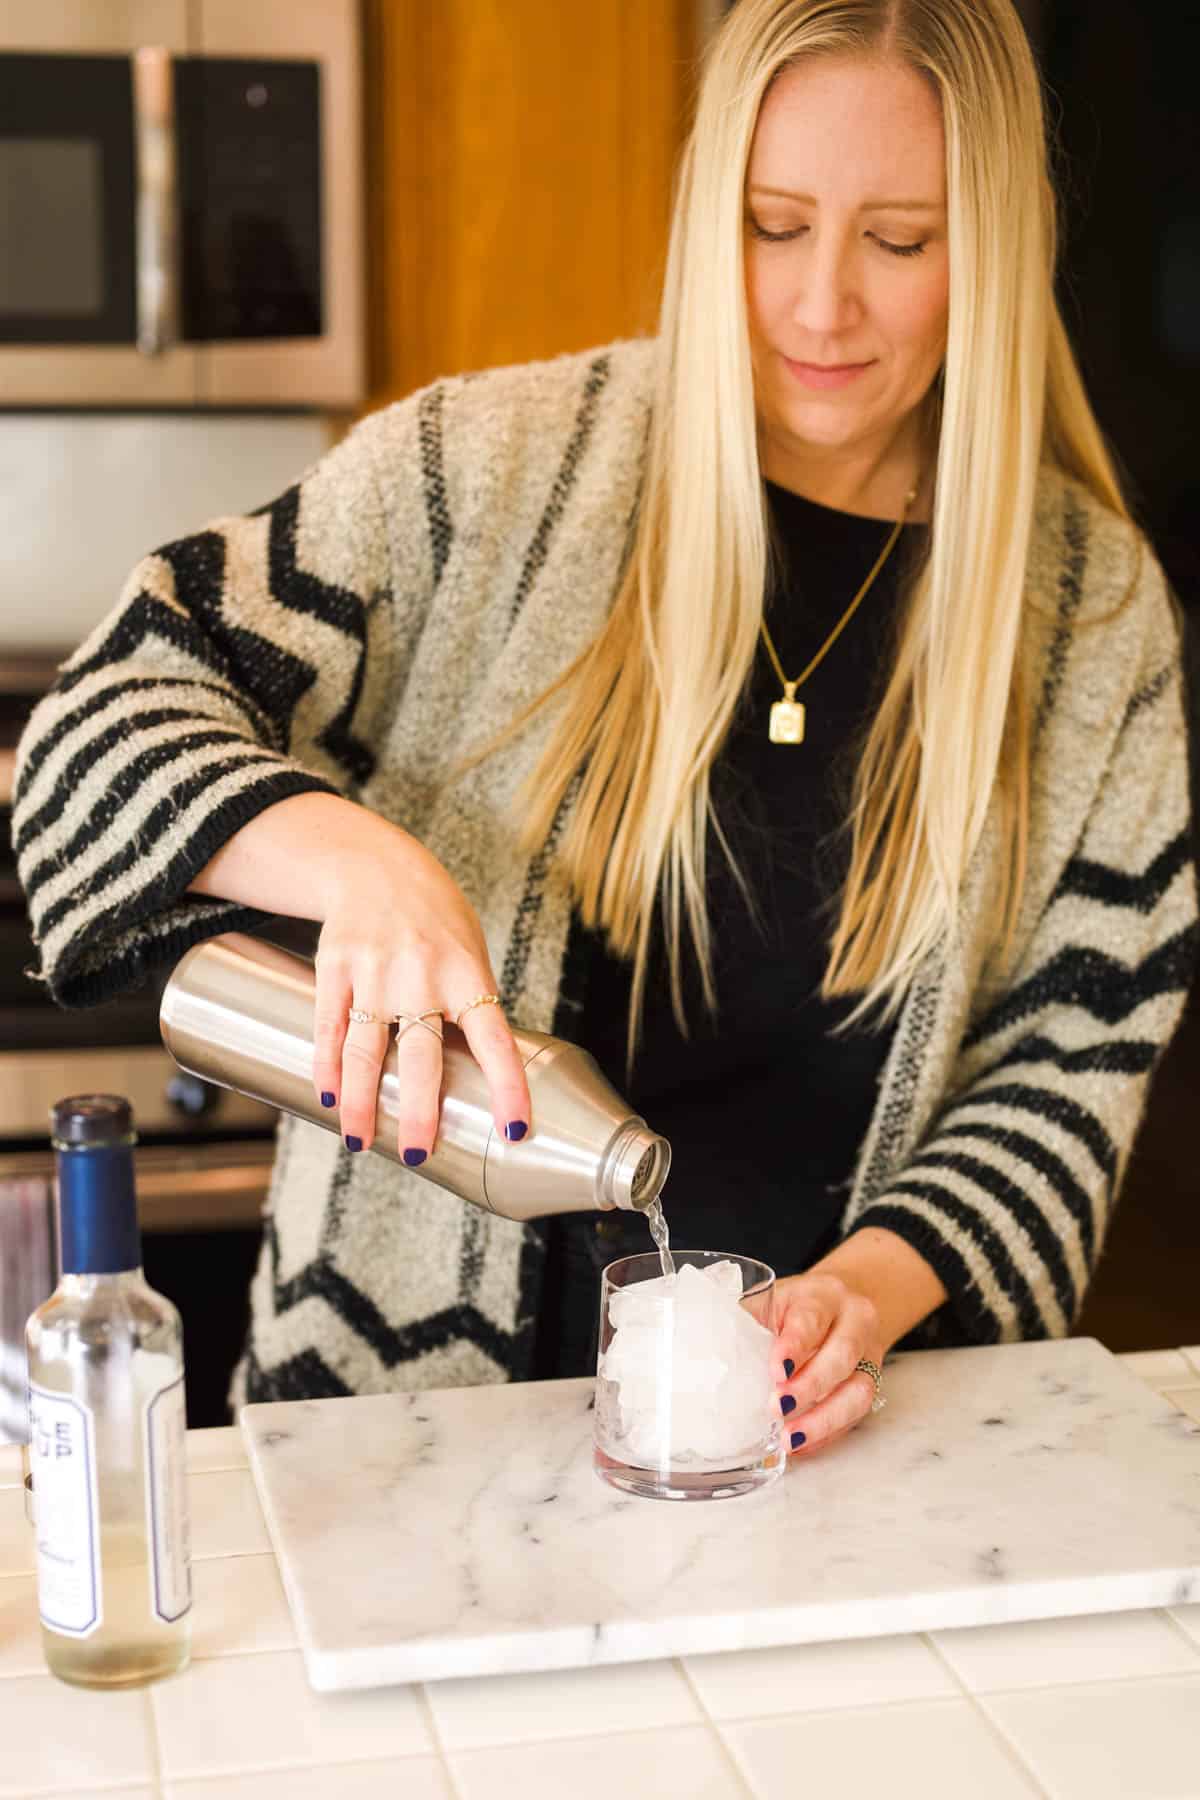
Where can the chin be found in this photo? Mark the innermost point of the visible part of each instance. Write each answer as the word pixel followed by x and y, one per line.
pixel 828 425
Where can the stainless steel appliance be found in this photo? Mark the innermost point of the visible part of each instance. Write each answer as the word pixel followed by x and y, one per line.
pixel 181 193
pixel 240 1012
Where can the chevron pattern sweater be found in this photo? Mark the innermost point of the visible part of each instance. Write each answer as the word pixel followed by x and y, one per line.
pixel 427 577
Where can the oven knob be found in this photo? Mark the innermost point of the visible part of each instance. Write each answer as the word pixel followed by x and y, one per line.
pixel 188 1095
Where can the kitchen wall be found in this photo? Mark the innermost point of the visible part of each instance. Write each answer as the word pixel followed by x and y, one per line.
pixel 83 496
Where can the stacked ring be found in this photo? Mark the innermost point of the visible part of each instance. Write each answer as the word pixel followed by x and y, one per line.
pixel 405 1020
pixel 359 1017
pixel 479 1000
pixel 872 1369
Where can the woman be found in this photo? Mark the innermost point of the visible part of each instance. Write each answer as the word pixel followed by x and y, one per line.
pixel 510 686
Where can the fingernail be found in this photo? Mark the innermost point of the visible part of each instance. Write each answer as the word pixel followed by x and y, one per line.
pixel 789 1367
pixel 798 1438
pixel 327 1098
pixel 414 1158
pixel 515 1130
pixel 353 1143
pixel 787 1404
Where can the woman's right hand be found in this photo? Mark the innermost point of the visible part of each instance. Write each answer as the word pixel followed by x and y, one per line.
pixel 398 935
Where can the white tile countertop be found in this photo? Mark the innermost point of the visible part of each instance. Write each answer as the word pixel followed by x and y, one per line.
pixel 1100 1707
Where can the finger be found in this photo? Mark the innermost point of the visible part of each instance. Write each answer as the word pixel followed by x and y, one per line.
pixel 806 1318
pixel 330 1010
pixel 839 1412
pixel 494 1048
pixel 834 1360
pixel 363 1052
pixel 418 1090
pixel 833 1364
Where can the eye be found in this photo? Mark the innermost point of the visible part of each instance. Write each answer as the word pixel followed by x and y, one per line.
pixel 785 236
pixel 774 237
pixel 902 249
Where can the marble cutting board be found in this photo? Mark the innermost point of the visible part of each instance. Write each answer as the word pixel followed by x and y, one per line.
pixel 463 1531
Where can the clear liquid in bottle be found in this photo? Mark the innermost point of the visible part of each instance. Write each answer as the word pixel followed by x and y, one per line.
pixel 107 1421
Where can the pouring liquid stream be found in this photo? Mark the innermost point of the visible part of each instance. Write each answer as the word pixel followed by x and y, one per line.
pixel 661 1235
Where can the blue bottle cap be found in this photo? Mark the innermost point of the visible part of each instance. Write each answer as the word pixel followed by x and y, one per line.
pixel 85 1119
pixel 98 1229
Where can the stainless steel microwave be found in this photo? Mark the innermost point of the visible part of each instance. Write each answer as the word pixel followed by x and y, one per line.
pixel 181 196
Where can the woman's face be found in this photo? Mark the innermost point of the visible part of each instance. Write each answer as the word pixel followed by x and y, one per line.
pixel 847 279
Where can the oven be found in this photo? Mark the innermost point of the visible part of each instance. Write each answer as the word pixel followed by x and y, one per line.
pixel 203 1158
pixel 181 192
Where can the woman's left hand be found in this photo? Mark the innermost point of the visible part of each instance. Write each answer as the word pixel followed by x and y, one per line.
pixel 823 1328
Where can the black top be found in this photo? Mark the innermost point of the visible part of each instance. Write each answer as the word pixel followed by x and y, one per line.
pixel 764 1108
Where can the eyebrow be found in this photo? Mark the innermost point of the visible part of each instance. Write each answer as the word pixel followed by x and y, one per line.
pixel 913 206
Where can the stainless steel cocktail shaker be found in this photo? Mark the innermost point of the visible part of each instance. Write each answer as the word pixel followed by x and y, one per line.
pixel 239 1012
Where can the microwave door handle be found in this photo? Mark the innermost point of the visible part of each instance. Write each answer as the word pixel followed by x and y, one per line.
pixel 157 201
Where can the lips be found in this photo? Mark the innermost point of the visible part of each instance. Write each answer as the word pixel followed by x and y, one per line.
pixel 825 375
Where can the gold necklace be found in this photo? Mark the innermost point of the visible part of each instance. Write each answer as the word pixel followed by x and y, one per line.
pixel 787 715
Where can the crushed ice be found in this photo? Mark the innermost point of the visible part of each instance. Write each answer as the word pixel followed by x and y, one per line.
pixel 691 1366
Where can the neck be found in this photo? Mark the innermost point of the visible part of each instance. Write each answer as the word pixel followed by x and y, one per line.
pixel 871 481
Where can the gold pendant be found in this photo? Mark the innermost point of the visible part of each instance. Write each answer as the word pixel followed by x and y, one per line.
pixel 787 717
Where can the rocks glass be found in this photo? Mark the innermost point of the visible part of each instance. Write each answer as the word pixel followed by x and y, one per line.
pixel 686 1405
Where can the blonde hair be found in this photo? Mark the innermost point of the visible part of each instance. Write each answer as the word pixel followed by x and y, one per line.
pixel 650 701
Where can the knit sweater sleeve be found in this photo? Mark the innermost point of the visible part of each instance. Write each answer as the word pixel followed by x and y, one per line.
pixel 1010 1192
pixel 244 664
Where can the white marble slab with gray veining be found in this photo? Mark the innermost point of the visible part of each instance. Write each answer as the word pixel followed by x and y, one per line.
pixel 464 1532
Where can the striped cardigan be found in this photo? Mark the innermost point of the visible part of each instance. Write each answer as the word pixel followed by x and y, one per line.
pixel 421 582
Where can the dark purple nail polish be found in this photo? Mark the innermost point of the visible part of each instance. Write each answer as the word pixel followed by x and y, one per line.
pixel 353 1143
pixel 798 1438
pixel 414 1158
pixel 787 1404
pixel 327 1098
pixel 515 1130
pixel 789 1367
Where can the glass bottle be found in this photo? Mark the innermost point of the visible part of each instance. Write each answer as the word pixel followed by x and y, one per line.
pixel 107 1424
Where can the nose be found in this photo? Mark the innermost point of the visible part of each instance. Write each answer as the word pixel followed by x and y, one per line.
pixel 827 301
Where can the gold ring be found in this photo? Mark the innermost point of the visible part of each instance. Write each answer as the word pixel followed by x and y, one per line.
pixel 479 1000
pixel 359 1017
pixel 872 1369
pixel 405 1020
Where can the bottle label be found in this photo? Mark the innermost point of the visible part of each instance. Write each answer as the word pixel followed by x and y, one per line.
pixel 63 1456
pixel 166 1504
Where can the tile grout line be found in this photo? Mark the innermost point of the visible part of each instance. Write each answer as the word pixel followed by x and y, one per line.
pixel 837 1711
pixel 230 1555
pixel 1184 1633
pixel 1068 1686
pixel 252 1771
pixel 420 1688
pixel 992 1726
pixel 207 1656
pixel 741 1776
pixel 156 1761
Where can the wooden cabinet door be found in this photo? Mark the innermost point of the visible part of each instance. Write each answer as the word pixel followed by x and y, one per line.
pixel 520 163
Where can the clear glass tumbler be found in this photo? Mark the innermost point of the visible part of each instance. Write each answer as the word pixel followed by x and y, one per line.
pixel 686 1405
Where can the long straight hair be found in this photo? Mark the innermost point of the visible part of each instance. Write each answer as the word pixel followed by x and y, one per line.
pixel 650 700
